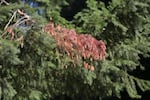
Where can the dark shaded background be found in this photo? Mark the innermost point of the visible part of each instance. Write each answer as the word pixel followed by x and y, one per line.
pixel 77 5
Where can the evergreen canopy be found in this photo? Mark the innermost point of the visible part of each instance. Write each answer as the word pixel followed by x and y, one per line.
pixel 36 64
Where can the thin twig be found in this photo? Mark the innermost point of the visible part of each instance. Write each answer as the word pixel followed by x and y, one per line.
pixel 23 19
pixel 4 1
pixel 20 19
pixel 17 24
pixel 22 13
pixel 10 20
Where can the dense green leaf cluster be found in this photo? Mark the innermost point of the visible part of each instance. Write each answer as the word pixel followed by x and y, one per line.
pixel 35 69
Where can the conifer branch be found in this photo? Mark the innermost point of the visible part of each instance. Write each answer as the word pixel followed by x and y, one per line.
pixel 135 78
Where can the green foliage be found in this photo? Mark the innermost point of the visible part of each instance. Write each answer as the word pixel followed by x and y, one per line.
pixel 92 19
pixel 35 69
pixel 121 26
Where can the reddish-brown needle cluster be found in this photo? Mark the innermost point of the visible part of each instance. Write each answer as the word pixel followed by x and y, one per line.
pixel 77 45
